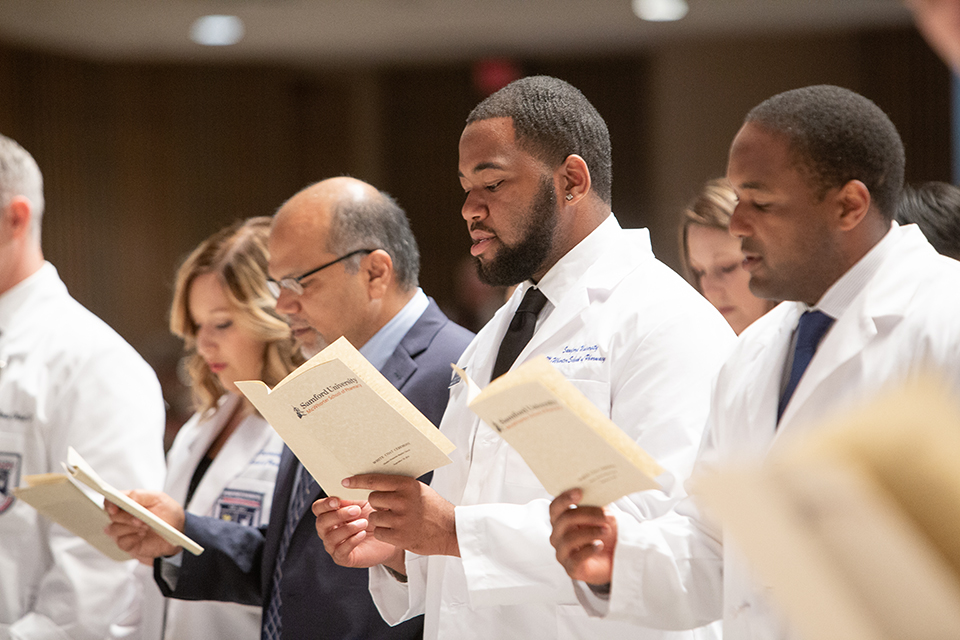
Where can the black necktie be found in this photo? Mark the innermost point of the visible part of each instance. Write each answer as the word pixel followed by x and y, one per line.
pixel 520 330
pixel 813 324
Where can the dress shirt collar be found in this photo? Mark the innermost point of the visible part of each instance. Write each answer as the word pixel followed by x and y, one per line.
pixel 384 342
pixel 841 293
pixel 571 267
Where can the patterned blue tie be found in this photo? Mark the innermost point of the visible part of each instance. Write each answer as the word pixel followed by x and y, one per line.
pixel 813 325
pixel 304 486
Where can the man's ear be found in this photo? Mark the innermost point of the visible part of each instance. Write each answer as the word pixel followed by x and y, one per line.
pixel 854 200
pixel 573 178
pixel 17 216
pixel 377 268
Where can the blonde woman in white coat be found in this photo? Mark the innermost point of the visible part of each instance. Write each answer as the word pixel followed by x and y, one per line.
pixel 224 461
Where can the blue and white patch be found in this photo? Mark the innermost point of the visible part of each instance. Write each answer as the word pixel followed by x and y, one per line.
pixel 9 478
pixel 242 507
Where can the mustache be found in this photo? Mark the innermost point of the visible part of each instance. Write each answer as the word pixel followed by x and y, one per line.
pixel 746 246
pixel 479 226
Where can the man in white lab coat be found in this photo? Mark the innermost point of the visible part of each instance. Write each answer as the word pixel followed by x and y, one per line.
pixel 818 173
pixel 472 551
pixel 66 379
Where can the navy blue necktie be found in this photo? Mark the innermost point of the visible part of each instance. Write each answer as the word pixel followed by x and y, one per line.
pixel 520 330
pixel 303 487
pixel 813 325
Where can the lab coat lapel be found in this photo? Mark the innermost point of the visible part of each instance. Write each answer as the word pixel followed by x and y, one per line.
pixel 761 394
pixel 568 311
pixel 874 313
pixel 847 338
pixel 201 435
pixel 603 275
pixel 235 454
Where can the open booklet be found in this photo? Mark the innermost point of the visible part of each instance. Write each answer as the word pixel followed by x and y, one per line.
pixel 565 440
pixel 341 417
pixel 855 525
pixel 59 497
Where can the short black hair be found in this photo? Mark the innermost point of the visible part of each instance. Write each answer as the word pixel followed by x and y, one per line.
pixel 376 223
pixel 935 208
pixel 837 136
pixel 553 120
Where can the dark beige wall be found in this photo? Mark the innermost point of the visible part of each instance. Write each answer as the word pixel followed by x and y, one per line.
pixel 142 161
pixel 701 92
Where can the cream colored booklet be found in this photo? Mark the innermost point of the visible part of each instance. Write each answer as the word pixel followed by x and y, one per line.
pixel 59 498
pixel 565 440
pixel 855 526
pixel 341 417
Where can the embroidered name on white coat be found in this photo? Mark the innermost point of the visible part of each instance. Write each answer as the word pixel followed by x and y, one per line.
pixel 577 353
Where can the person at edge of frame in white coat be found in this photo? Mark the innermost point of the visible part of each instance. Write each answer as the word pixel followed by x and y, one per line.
pixel 818 173
pixel 472 552
pixel 66 380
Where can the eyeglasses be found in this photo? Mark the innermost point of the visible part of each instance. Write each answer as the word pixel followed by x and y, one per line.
pixel 293 284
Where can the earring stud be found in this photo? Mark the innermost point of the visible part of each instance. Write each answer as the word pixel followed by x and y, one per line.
pixel 569 197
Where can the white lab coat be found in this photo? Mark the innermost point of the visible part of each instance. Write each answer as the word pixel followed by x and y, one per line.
pixel 67 379
pixel 239 481
pixel 904 321
pixel 644 347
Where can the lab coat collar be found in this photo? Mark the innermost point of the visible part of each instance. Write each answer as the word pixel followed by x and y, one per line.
pixel 597 260
pixel 16 300
pixel 248 436
pixel 876 310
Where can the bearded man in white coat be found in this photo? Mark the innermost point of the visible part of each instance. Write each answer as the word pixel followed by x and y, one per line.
pixel 471 552
pixel 66 380
pixel 818 173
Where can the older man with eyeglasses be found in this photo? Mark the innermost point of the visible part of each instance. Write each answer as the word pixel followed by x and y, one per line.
pixel 343 262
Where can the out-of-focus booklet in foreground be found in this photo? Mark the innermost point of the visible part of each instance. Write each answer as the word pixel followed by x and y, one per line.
pixel 59 497
pixel 854 525
pixel 565 440
pixel 341 417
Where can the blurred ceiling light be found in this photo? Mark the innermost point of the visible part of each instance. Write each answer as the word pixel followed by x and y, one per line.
pixel 660 10
pixel 217 31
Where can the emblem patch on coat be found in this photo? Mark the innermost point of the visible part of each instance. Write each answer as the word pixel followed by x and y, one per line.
pixel 242 507
pixel 9 478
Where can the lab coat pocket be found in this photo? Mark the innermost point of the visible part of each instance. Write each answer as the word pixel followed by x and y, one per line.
pixel 596 391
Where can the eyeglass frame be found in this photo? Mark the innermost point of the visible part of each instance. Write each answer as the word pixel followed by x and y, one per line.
pixel 293 285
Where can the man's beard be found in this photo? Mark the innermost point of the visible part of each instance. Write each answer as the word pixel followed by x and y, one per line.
pixel 311 347
pixel 514 264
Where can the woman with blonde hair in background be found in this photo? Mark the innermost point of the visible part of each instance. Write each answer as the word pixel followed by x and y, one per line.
pixel 712 258
pixel 224 461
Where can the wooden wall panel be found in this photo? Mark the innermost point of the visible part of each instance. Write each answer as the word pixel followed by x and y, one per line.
pixel 616 86
pixel 142 161
pixel 424 111
pixel 912 85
